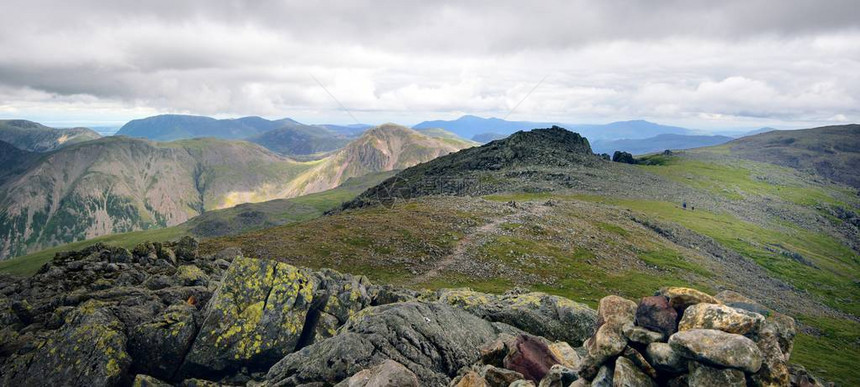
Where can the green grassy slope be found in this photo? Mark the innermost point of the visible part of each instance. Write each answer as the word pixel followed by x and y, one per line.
pixel 771 232
pixel 217 222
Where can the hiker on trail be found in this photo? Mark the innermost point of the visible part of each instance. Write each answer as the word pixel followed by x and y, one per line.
pixel 684 205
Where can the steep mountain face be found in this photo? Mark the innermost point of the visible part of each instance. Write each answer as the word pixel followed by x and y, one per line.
pixel 658 143
pixel 171 127
pixel 35 137
pixel 384 148
pixel 120 184
pixel 13 160
pixel 831 151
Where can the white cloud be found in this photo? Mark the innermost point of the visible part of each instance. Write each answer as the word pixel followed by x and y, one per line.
pixel 694 63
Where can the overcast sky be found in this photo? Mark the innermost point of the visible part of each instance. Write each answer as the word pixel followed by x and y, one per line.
pixel 700 64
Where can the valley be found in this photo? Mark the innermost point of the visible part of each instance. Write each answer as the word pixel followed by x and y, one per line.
pixel 120 184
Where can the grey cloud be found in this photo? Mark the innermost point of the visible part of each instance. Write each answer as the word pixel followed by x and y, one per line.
pixel 611 59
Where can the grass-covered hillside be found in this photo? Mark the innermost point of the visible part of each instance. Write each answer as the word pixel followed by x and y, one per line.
pixel 120 184
pixel 832 151
pixel 588 227
pixel 540 210
pixel 229 221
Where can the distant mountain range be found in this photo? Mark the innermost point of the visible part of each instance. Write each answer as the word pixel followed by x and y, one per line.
pixel 35 137
pixel 472 126
pixel 284 136
pixel 658 143
pixel 119 184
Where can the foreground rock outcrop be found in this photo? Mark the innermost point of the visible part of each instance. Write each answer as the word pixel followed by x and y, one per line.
pixel 163 315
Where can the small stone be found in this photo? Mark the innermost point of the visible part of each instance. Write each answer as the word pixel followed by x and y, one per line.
pixel 603 378
pixel 564 352
pixel 720 317
pixel 614 310
pixel 641 335
pixel 470 379
pixel 681 298
pixel 494 353
pixel 531 357
pixel 500 377
pixel 785 329
pixel 607 342
pixel 639 361
pixel 148 381
pixel 628 375
pixel 656 314
pixel 665 359
pixel 389 373
pixel 774 366
pixel 523 383
pixel 719 348
pixel 558 376
pixel 705 376
pixel 190 275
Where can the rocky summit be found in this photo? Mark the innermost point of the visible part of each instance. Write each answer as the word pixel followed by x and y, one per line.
pixel 163 314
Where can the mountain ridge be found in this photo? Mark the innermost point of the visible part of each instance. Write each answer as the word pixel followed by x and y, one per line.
pixel 34 137
pixel 120 184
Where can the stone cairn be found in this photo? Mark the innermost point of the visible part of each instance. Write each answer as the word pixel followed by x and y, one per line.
pixel 678 337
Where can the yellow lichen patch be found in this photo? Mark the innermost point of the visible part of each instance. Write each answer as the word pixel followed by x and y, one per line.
pixel 261 306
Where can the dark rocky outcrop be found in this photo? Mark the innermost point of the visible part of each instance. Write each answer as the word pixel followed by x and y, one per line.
pixel 433 340
pixel 164 315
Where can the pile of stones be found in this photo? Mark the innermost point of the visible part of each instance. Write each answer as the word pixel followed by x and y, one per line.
pixel 678 337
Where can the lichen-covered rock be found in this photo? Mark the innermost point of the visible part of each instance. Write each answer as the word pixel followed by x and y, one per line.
pixel 665 359
pixel 719 348
pixel 656 314
pixel 774 367
pixel 720 317
pixel 608 341
pixel 639 361
pixel 628 375
pixel 705 376
pixel 389 373
pixel 641 335
pixel 531 357
pixel 614 310
pixel 159 346
pixel 187 249
pixel 433 340
pixel 603 377
pixel 190 275
pixel 552 317
pixel 566 354
pixel 254 319
pixel 337 298
pixel 142 380
pixel 784 328
pixel 88 350
pixel 681 298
